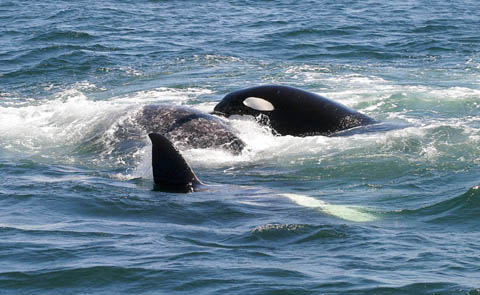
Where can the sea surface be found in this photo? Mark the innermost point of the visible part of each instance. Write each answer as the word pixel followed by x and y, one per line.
pixel 394 212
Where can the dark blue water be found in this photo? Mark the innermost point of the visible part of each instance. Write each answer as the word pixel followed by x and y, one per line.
pixel 393 212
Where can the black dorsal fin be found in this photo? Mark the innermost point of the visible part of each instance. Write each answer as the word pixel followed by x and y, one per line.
pixel 170 170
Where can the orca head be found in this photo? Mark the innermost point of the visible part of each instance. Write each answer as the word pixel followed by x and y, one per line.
pixel 243 103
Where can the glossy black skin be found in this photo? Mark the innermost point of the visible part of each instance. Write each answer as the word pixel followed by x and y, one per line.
pixel 297 112
pixel 171 173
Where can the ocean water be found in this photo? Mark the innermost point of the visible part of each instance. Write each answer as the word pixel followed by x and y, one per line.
pixel 394 212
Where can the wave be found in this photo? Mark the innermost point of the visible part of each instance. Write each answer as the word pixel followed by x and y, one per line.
pixel 296 233
pixel 56 60
pixel 263 238
pixel 421 288
pixel 432 28
pixel 72 126
pixel 234 278
pixel 55 229
pixel 74 279
pixel 62 36
pixel 459 211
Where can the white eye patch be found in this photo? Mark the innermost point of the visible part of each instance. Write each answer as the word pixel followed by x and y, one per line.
pixel 258 104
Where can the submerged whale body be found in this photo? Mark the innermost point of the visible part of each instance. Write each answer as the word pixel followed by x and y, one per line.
pixel 171 173
pixel 189 128
pixel 292 111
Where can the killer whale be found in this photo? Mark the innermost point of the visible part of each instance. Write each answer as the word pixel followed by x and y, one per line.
pixel 172 174
pixel 292 111
pixel 188 127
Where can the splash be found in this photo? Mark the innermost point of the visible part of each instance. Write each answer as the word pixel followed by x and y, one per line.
pixel 70 120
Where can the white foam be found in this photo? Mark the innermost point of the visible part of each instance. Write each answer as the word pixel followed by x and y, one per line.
pixel 62 121
pixel 143 169
pixel 372 91
pixel 162 95
pixel 216 58
pixel 69 118
pixel 47 179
